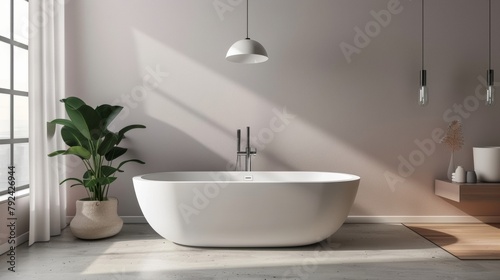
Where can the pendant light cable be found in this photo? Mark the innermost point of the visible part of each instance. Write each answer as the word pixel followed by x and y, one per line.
pixel 423 94
pixel 423 35
pixel 489 35
pixel 490 94
pixel 247 21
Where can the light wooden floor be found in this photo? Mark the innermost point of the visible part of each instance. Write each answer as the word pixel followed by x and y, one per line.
pixel 465 241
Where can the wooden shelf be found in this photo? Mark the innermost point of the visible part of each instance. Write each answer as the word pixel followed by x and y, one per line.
pixel 463 191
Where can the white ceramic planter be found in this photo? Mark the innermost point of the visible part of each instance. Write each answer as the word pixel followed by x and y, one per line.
pixel 487 164
pixel 96 219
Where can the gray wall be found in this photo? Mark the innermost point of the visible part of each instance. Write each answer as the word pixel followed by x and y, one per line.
pixel 355 114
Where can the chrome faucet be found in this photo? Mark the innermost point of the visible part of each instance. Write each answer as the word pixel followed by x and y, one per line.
pixel 247 153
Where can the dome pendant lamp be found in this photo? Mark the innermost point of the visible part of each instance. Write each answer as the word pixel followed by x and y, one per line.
pixel 423 94
pixel 247 51
pixel 490 91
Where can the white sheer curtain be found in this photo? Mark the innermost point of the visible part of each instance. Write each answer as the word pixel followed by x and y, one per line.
pixel 46 71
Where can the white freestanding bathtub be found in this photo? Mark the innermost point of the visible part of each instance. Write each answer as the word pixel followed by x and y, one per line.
pixel 245 209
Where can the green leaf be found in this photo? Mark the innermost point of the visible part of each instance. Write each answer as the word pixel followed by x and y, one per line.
pixel 108 113
pixel 63 122
pixel 86 120
pixel 109 170
pixel 78 151
pixel 71 179
pixel 90 183
pixel 72 137
pixel 107 144
pixel 60 152
pixel 114 153
pixel 87 175
pixel 73 102
pixel 130 160
pixel 75 150
pixel 94 182
pixel 105 180
pixel 88 179
pixel 122 131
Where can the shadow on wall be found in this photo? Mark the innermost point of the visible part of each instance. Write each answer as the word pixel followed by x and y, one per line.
pixel 219 130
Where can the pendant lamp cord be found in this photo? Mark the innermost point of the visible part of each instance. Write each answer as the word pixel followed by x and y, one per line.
pixel 423 34
pixel 247 20
pixel 489 35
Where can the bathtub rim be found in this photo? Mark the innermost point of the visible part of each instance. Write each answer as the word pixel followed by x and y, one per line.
pixel 345 177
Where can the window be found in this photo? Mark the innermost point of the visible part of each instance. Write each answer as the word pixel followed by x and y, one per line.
pixel 14 149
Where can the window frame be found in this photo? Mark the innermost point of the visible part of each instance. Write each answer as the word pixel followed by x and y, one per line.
pixel 12 93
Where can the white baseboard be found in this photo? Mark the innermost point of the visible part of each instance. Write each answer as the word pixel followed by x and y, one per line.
pixel 19 240
pixel 421 219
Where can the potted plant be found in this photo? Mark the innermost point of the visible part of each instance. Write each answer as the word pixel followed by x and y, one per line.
pixel 87 135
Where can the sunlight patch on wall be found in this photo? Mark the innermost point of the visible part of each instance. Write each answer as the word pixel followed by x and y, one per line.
pixel 197 100
pixel 209 107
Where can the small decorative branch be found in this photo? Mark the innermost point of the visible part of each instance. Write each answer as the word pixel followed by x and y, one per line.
pixel 454 138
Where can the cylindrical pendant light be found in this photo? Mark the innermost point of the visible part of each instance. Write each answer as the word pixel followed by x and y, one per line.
pixel 423 94
pixel 490 92
pixel 247 50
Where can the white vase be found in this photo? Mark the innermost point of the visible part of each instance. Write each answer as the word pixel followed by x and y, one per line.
pixel 96 219
pixel 459 175
pixel 487 164
pixel 451 167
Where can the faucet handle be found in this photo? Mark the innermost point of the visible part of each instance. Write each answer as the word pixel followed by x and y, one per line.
pixel 238 136
pixel 248 137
